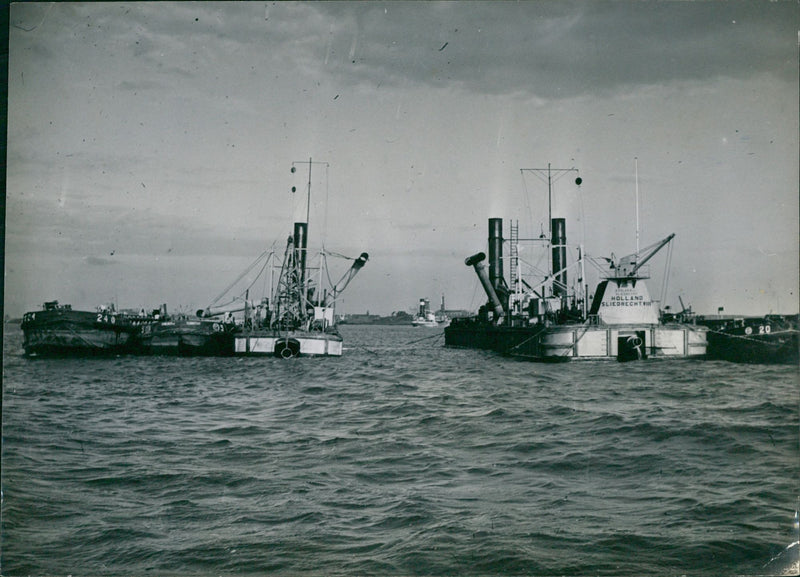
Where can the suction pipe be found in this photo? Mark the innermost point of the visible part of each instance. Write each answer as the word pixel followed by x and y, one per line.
pixel 476 261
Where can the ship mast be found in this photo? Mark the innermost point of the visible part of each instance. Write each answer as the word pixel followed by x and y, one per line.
pixel 636 170
pixel 301 234
pixel 550 175
pixel 310 162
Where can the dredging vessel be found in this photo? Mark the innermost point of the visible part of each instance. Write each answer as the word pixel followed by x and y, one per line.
pixel 297 316
pixel 547 319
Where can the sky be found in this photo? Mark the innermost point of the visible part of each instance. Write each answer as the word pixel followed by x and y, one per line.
pixel 150 144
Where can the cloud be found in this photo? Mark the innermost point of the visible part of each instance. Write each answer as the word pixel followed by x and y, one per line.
pixel 98 261
pixel 164 131
pixel 540 49
pixel 551 49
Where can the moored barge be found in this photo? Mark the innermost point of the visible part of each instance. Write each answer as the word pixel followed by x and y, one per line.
pixel 58 330
pixel 771 339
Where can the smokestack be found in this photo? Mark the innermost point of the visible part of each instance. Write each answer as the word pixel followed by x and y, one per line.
pixel 496 251
pixel 300 244
pixel 559 248
pixel 476 262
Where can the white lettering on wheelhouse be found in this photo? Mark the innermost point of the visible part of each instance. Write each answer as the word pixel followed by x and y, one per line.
pixel 627 302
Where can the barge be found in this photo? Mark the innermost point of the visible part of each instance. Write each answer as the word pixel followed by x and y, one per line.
pixel 58 330
pixel 771 339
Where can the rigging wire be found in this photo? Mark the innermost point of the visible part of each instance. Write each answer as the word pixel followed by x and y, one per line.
pixel 324 264
pixel 327 195
pixel 263 267
pixel 240 277
pixel 268 277
pixel 527 200
pixel 336 254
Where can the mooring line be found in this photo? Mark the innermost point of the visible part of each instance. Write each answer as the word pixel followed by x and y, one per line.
pixel 437 335
pixel 368 350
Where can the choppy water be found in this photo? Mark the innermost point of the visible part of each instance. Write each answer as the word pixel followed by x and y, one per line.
pixel 400 458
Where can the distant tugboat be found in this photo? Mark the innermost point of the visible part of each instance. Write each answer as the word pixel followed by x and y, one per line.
pixel 425 317
pixel 546 320
pixel 58 330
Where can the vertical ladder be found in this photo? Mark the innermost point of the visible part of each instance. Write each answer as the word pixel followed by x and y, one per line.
pixel 516 287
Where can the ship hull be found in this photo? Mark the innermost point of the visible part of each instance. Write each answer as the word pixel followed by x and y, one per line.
pixel 776 349
pixel 286 344
pixel 472 334
pixel 186 337
pixel 622 342
pixel 767 340
pixel 73 341
pixel 64 332
pixel 562 343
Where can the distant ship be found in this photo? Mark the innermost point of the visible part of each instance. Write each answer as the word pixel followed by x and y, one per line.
pixel 425 317
pixel 546 319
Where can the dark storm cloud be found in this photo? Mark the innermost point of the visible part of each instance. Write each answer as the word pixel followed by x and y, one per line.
pixel 561 49
pixel 541 49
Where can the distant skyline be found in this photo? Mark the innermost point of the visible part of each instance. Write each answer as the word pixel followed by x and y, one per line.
pixel 150 143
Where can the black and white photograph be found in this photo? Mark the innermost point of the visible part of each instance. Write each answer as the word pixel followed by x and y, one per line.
pixel 306 288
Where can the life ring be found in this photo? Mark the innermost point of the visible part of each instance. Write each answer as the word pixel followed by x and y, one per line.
pixel 287 348
pixel 634 345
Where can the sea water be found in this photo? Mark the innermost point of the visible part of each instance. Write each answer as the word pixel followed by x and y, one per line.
pixel 402 457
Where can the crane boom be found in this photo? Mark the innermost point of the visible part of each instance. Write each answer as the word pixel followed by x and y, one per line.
pixel 628 265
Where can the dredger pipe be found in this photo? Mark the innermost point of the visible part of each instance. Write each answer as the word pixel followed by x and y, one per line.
pixel 348 276
pixel 300 247
pixel 496 252
pixel 476 261
pixel 559 244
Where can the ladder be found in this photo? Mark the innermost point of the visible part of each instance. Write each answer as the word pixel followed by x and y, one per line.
pixel 516 285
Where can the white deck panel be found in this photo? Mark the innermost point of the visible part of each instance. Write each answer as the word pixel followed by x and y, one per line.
pixel 322 345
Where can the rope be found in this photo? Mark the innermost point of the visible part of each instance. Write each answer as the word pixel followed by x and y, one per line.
pixel 437 335
pixel 89 344
pixel 508 352
pixel 366 349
